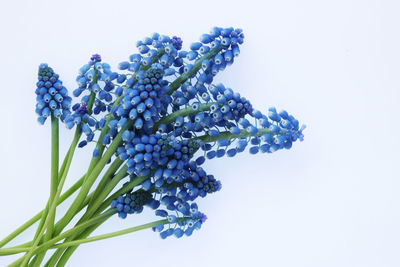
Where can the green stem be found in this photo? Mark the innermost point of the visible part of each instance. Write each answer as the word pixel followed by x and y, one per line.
pixel 89 108
pixel 100 147
pixel 196 67
pixel 54 172
pixel 69 192
pixel 182 113
pixel 38 216
pixel 228 135
pixel 52 211
pixel 90 179
pixel 100 218
pixel 51 242
pixel 117 233
pixel 74 208
pixel 114 180
pixel 49 222
pixel 44 214
pixel 67 254
pixel 110 176
pixel 72 245
pixel 53 183
pixel 64 176
pixel 73 189
pixel 12 251
pixel 94 160
pixel 102 206
pixel 96 204
pixel 122 173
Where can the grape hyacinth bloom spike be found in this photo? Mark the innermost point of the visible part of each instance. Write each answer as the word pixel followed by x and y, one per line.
pixel 51 96
pixel 98 90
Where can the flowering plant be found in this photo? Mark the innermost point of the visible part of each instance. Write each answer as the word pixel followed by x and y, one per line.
pixel 152 126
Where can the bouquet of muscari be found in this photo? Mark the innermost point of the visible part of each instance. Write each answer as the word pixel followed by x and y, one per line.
pixel 152 125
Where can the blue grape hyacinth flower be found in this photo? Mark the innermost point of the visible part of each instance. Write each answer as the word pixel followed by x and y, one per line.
pixel 51 96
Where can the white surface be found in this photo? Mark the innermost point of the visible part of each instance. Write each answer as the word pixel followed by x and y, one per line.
pixel 332 200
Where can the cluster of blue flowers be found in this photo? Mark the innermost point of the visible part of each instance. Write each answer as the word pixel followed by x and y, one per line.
pixel 97 86
pixel 161 152
pixel 178 199
pixel 219 121
pixel 176 193
pixel 51 96
pixel 145 100
pixel 133 203
pixel 177 227
pixel 171 118
pixel 96 77
pixel 219 48
pixel 160 47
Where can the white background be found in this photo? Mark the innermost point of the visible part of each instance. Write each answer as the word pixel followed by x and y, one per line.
pixel 332 200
